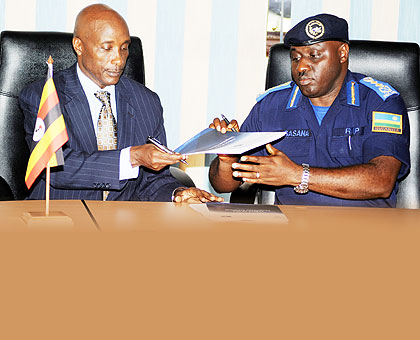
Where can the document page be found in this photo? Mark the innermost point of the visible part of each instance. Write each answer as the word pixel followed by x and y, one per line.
pixel 238 212
pixel 229 143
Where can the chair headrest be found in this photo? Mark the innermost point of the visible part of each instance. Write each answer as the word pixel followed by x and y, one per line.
pixel 24 55
pixel 396 63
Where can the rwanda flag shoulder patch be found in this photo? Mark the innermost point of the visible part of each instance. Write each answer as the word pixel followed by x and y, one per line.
pixel 386 122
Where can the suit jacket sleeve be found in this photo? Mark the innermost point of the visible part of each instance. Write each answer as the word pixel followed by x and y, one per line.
pixel 142 116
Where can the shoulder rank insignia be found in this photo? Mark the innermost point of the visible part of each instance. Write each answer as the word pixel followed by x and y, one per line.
pixel 386 122
pixel 384 90
pixel 294 98
pixel 353 93
pixel 273 89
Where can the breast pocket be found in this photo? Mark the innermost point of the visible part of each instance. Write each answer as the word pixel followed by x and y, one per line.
pixel 294 146
pixel 342 147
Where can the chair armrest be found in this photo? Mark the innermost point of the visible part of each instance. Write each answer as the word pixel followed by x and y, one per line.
pixel 5 191
pixel 253 194
pixel 245 193
pixel 182 177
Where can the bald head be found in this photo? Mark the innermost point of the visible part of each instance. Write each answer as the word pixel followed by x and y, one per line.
pixel 87 18
pixel 100 40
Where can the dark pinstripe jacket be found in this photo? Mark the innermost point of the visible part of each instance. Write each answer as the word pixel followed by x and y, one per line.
pixel 87 171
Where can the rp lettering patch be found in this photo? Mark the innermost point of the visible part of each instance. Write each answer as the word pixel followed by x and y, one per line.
pixel 386 122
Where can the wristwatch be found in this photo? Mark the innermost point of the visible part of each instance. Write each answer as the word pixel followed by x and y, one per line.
pixel 303 187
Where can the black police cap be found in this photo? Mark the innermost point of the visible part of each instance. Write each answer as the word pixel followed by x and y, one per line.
pixel 319 28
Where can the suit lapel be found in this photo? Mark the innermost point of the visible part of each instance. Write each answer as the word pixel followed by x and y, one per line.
pixel 76 110
pixel 126 119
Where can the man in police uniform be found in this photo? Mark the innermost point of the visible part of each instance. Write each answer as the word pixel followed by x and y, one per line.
pixel 347 140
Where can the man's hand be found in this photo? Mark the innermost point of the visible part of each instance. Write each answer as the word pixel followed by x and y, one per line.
pixel 151 157
pixel 220 172
pixel 194 195
pixel 374 179
pixel 221 126
pixel 276 169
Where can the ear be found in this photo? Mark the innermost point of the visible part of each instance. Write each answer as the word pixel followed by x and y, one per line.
pixel 343 52
pixel 77 45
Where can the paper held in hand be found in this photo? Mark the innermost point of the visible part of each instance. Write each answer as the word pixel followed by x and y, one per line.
pixel 229 143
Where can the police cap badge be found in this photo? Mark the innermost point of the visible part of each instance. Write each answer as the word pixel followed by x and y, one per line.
pixel 318 28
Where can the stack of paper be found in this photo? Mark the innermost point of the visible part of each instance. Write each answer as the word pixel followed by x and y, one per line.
pixel 229 143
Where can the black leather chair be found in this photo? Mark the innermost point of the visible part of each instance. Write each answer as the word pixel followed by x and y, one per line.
pixel 23 60
pixel 397 63
pixel 181 176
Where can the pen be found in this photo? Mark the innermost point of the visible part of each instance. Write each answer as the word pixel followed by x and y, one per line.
pixel 162 147
pixel 227 122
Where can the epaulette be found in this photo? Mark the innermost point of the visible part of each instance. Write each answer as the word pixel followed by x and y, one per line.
pixel 384 90
pixel 284 86
pixel 353 97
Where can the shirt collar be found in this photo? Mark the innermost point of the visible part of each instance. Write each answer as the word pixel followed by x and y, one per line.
pixel 89 87
pixel 295 98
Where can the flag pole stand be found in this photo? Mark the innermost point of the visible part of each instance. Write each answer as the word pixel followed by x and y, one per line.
pixel 47 191
pixel 47 218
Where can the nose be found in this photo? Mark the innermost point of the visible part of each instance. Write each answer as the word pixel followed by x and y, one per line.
pixel 118 58
pixel 302 66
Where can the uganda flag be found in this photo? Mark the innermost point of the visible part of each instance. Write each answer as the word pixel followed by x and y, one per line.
pixel 50 132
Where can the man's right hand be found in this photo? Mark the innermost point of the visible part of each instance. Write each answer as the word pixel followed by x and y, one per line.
pixel 220 172
pixel 221 126
pixel 151 157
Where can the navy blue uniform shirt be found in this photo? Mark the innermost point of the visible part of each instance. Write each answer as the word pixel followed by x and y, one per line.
pixel 367 119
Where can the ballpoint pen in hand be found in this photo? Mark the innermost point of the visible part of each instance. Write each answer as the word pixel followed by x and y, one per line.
pixel 162 147
pixel 227 122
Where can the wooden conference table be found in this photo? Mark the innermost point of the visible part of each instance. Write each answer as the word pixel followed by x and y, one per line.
pixel 143 270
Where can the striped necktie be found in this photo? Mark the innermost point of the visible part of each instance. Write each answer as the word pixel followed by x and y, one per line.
pixel 106 133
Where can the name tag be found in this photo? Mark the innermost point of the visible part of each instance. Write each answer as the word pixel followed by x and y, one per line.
pixel 298 133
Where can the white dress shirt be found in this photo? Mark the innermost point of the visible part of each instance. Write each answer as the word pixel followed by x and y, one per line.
pixel 95 105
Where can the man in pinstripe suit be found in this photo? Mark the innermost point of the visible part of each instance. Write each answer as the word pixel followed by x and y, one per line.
pixel 134 170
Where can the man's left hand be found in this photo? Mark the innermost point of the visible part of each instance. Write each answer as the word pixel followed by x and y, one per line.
pixel 194 195
pixel 276 169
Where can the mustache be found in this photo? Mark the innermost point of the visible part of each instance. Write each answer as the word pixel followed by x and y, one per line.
pixel 301 74
pixel 117 69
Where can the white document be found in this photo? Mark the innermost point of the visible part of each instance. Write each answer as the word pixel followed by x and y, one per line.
pixel 229 143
